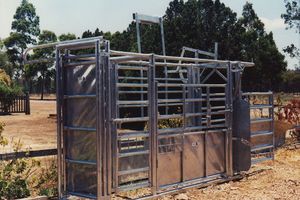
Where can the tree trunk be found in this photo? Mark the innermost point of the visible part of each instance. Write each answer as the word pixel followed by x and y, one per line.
pixel 42 87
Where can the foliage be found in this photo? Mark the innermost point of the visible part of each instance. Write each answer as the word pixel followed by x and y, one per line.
pixel 290 113
pixel 19 178
pixel 46 183
pixel 4 78
pixel 15 174
pixel 43 72
pixel 7 91
pixel 291 81
pixel 68 36
pixel 7 94
pixel 259 46
pixel 4 62
pixel 292 20
pixel 200 23
pixel 25 27
pixel 292 15
pixel 168 123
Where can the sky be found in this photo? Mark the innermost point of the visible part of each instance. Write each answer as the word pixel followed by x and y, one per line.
pixel 77 16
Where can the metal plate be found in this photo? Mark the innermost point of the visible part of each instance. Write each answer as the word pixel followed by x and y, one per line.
pixel 169 168
pixel 194 157
pixel 81 112
pixel 82 178
pixel 215 148
pixel 241 131
pixel 169 160
pixel 133 162
pixel 81 145
pixel 80 79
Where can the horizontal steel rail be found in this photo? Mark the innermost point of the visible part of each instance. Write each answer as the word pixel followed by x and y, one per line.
pixel 62 44
pixel 28 154
pixel 128 154
pixel 79 96
pixel 261 133
pixel 257 93
pixel 82 162
pixel 261 147
pixel 133 171
pixel 174 58
pixel 72 128
pixel 82 195
pixel 133 186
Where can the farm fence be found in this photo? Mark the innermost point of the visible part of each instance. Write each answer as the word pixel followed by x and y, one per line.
pixel 17 104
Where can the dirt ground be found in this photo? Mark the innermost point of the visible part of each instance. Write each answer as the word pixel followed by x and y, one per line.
pixel 35 131
pixel 269 180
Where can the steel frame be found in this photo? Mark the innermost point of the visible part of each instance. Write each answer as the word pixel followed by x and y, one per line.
pixel 128 157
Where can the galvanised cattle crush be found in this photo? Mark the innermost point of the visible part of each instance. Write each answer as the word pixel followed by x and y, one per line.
pixel 130 121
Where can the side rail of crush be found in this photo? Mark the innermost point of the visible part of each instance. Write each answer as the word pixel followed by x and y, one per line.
pixel 262 125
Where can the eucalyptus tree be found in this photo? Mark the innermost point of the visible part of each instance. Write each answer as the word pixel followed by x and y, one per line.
pixel 25 29
pixel 292 20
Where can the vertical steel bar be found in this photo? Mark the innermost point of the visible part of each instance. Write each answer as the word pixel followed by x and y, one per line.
pixel 152 112
pixel 216 51
pixel 117 126
pixel 64 118
pixel 99 119
pixel 162 36
pixel 58 111
pixel 271 102
pixel 161 23
pixel 114 127
pixel 205 154
pixel 228 138
pixel 139 45
pixel 182 134
pixel 138 34
pixel 104 108
pixel 208 106
pixel 109 119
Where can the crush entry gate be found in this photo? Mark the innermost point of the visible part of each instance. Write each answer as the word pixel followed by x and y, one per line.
pixel 118 130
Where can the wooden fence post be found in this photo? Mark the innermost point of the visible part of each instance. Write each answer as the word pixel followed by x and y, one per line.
pixel 27 107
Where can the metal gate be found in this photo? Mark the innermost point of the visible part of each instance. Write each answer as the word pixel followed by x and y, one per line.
pixel 262 125
pixel 170 132
pixel 83 139
pixel 130 120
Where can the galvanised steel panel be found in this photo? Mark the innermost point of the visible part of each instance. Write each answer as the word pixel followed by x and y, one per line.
pixel 168 168
pixel 81 112
pixel 81 145
pixel 81 178
pixel 241 134
pixel 80 79
pixel 194 156
pixel 133 162
pixel 215 149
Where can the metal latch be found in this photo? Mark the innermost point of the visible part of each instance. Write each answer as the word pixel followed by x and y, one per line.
pixel 242 140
